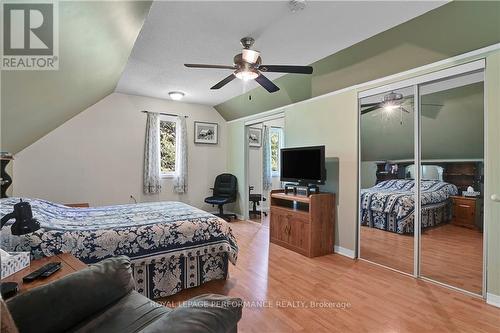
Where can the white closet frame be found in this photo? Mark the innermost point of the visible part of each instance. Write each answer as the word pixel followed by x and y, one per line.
pixel 473 66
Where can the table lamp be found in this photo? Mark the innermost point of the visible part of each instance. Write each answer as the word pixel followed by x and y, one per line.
pixel 24 224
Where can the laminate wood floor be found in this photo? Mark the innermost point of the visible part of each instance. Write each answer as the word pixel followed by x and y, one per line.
pixel 450 254
pixel 365 297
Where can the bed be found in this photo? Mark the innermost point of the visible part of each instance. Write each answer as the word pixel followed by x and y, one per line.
pixel 172 246
pixel 390 205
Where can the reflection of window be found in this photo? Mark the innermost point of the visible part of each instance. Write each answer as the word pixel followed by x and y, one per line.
pixel 168 141
pixel 276 138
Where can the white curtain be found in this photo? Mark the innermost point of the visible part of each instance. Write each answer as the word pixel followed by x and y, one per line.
pixel 152 155
pixel 266 160
pixel 181 169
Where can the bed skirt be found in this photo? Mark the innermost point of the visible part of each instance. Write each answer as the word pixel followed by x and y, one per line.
pixel 164 276
pixel 432 215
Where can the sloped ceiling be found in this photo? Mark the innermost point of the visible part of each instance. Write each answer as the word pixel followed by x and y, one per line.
pixel 452 131
pixel 178 32
pixel 452 29
pixel 95 41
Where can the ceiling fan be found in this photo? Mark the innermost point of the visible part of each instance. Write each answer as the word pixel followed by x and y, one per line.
pixel 390 102
pixel 248 66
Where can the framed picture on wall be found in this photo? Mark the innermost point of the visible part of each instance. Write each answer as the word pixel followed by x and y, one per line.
pixel 207 133
pixel 254 137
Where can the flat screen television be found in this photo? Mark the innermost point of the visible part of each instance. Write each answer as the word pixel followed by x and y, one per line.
pixel 304 165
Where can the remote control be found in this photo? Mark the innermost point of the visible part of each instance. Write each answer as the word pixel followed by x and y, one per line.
pixel 51 271
pixel 36 274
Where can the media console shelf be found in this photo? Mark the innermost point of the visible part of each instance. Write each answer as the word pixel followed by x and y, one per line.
pixel 303 224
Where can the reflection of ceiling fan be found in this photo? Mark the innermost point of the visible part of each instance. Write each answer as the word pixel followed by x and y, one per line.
pixel 248 66
pixel 390 102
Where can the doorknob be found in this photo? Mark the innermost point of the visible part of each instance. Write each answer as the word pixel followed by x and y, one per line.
pixel 495 197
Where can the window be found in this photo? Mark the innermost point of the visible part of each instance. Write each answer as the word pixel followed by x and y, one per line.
pixel 276 137
pixel 168 140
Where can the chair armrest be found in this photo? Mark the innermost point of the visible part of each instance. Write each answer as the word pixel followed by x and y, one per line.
pixel 201 314
pixel 62 304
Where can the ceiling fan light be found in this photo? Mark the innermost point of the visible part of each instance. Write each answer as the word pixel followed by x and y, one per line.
pixel 389 107
pixel 176 95
pixel 250 56
pixel 246 74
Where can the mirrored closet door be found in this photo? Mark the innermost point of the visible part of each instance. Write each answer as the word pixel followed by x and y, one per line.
pixel 452 178
pixel 386 150
pixel 422 176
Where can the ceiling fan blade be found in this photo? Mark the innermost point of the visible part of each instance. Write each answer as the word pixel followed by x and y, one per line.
pixel 369 104
pixel 267 84
pixel 370 109
pixel 209 66
pixel 286 69
pixel 224 82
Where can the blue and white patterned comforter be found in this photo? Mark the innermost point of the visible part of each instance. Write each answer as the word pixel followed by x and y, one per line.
pixel 145 232
pixel 390 204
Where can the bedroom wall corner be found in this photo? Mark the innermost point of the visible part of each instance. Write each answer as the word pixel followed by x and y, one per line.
pixel 236 161
pixel 332 121
pixel 97 156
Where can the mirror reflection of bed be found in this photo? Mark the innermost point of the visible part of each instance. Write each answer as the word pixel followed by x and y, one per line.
pixel 385 134
pixel 388 240
pixel 452 177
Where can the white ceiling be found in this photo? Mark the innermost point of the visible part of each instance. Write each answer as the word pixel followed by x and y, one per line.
pixel 209 32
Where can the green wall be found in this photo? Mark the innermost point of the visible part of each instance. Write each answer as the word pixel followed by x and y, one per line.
pixel 454 130
pixel 431 37
pixel 95 41
pixel 331 121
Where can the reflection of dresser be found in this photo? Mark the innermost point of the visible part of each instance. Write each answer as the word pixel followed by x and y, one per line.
pixel 467 211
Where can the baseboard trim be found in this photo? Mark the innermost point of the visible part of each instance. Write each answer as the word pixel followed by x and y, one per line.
pixel 493 299
pixel 343 251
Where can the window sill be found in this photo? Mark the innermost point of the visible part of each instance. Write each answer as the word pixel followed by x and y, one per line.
pixel 167 175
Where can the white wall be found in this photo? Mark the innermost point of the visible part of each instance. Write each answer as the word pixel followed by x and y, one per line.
pixel 97 156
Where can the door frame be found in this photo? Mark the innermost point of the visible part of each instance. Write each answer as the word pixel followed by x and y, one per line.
pixel 457 70
pixel 248 123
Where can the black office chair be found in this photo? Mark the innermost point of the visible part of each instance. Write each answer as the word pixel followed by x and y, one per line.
pixel 225 191
pixel 255 199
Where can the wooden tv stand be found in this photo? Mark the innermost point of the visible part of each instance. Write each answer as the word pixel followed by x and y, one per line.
pixel 303 224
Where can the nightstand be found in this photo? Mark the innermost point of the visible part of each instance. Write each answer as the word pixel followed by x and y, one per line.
pixel 467 211
pixel 70 264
